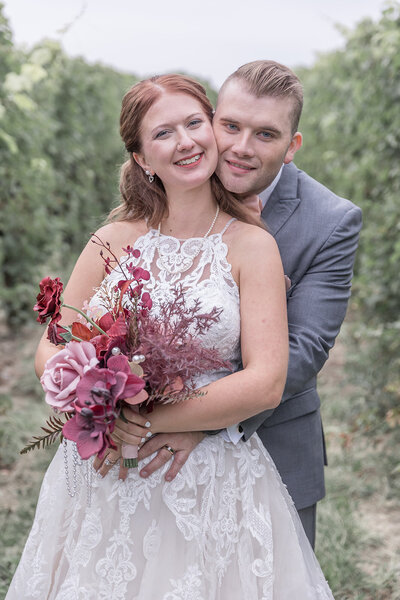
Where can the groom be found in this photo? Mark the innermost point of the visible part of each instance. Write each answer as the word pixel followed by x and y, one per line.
pixel 255 125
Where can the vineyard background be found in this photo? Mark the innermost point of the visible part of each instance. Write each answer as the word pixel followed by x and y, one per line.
pixel 59 157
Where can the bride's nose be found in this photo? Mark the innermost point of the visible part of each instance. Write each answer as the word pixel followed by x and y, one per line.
pixel 185 142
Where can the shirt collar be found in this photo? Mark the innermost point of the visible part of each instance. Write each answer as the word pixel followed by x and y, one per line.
pixel 265 195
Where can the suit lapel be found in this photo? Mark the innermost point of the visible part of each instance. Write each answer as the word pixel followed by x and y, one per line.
pixel 283 201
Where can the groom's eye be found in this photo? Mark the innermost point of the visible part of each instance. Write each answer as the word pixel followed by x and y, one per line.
pixel 231 127
pixel 265 135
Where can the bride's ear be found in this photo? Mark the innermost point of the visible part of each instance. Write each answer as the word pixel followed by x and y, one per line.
pixel 139 159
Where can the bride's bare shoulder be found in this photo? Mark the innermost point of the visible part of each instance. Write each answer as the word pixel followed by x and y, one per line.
pixel 245 237
pixel 120 234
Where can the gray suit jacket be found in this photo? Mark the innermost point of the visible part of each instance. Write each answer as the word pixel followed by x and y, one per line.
pixel 317 234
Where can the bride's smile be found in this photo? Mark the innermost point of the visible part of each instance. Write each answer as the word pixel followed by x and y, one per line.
pixel 178 143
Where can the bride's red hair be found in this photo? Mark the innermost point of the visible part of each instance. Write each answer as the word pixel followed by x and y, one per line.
pixel 148 201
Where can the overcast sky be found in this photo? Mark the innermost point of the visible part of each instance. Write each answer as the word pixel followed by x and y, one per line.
pixel 209 38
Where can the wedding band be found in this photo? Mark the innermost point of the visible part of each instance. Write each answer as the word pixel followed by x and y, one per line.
pixel 169 449
pixel 109 462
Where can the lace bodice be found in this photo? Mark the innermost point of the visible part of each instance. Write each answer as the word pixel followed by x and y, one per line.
pixel 209 279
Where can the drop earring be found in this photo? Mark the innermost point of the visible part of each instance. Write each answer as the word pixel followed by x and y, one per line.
pixel 150 176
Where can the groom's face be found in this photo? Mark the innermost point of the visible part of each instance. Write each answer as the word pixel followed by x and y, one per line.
pixel 254 138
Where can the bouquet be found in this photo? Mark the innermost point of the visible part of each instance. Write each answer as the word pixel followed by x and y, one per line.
pixel 118 353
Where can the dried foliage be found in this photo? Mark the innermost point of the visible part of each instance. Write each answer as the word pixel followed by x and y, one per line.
pixel 53 433
pixel 172 345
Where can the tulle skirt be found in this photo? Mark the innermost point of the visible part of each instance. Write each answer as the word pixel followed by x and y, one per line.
pixel 224 529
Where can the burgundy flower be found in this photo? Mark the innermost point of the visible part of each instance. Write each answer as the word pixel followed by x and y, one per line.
pixel 106 321
pixel 48 301
pixel 54 333
pixel 101 344
pixel 147 302
pixel 138 273
pixel 118 328
pixel 134 252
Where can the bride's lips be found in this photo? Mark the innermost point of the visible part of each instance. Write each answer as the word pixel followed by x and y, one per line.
pixel 190 161
pixel 239 167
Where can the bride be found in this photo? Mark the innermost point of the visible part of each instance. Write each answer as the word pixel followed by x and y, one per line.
pixel 226 527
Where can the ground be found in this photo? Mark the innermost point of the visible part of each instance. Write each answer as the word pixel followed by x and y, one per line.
pixel 358 536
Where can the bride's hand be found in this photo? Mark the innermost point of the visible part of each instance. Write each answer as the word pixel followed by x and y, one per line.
pixel 110 458
pixel 131 428
pixel 177 446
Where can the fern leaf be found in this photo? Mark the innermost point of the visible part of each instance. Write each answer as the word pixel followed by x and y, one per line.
pixel 53 432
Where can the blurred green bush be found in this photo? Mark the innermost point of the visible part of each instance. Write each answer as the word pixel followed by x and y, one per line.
pixel 351 126
pixel 59 156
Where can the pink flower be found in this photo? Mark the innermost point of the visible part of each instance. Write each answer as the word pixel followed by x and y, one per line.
pixel 63 372
pixel 97 405
pixel 90 431
pixel 107 386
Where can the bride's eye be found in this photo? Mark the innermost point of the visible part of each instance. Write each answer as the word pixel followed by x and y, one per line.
pixel 195 122
pixel 161 134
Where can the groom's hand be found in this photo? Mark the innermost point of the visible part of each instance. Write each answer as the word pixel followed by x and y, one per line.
pixel 253 204
pixel 181 444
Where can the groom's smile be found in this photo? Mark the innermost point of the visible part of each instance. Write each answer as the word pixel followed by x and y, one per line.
pixel 254 137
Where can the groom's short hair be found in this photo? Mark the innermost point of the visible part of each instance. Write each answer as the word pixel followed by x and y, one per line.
pixel 269 78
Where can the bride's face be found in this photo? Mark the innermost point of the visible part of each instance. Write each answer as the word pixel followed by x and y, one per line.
pixel 178 142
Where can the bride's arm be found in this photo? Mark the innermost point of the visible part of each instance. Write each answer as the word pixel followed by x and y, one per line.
pixel 264 345
pixel 86 276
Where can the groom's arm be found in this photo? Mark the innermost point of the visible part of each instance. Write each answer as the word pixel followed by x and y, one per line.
pixel 316 308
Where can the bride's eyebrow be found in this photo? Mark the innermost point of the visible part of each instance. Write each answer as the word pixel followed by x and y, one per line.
pixel 162 125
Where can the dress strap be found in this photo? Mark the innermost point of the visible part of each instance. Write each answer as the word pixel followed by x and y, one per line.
pixel 227 225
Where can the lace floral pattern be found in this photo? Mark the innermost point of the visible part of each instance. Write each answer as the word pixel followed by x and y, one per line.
pixel 224 529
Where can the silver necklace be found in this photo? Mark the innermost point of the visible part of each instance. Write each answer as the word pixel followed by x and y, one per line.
pixel 187 261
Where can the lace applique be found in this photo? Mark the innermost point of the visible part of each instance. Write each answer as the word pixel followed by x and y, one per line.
pixel 152 541
pixel 186 588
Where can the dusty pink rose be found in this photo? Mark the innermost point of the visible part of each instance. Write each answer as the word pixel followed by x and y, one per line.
pixel 64 371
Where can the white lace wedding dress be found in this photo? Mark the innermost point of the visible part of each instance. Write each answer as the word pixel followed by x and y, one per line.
pixel 224 529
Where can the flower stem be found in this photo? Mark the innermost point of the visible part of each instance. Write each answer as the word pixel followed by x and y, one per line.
pixel 87 318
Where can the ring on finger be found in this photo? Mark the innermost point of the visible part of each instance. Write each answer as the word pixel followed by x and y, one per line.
pixel 170 449
pixel 111 463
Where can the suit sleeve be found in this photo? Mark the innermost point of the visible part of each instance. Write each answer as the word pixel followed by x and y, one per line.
pixel 317 306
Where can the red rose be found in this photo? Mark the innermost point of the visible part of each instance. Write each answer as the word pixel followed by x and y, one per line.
pixel 54 332
pixel 48 302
